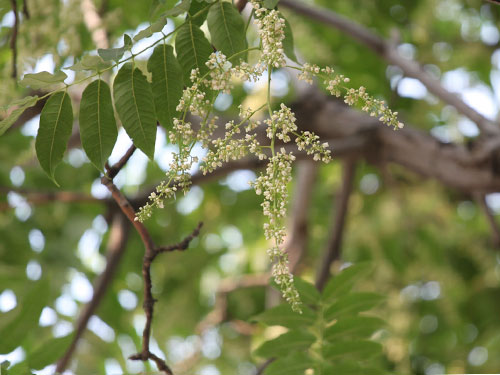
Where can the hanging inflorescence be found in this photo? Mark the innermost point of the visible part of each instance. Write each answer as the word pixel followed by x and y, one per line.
pixel 240 136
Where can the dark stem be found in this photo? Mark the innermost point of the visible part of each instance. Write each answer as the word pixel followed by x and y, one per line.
pixel 25 9
pixel 149 301
pixel 112 171
pixel 150 254
pixel 341 204
pixel 13 38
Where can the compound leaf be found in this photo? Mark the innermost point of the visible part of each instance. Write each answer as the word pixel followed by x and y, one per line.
pixel 56 122
pixel 227 30
pixel 134 104
pixel 166 83
pixel 97 123
pixel 21 106
pixel 42 79
pixel 192 49
pixel 282 345
pixel 282 315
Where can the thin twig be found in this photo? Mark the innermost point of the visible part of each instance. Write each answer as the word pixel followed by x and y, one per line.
pixel 115 249
pixel 390 54
pixel 13 38
pixel 112 171
pixel 149 255
pixel 149 301
pixel 25 9
pixel 341 204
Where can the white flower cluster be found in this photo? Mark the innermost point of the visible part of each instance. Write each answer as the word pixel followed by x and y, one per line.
pixel 272 184
pixel 311 143
pixel 272 32
pixel 240 137
pixel 220 73
pixel 334 85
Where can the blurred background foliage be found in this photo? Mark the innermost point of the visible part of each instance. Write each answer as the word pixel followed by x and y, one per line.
pixel 431 246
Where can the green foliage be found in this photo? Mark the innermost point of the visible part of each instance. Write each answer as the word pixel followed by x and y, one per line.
pixel 133 99
pixel 154 28
pixel 330 335
pixel 56 122
pixel 25 317
pixel 97 123
pixel 89 62
pixel 42 79
pixel 49 352
pixel 227 30
pixel 20 106
pixel 115 54
pixel 167 83
pixel 288 46
pixel 192 49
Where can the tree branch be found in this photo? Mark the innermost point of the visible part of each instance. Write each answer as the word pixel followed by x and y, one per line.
pixel 149 255
pixel 115 249
pixel 13 38
pixel 340 206
pixel 386 50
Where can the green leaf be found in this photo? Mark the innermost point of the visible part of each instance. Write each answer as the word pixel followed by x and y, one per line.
pixel 270 4
pixel 192 49
pixel 197 6
pixel 150 30
pixel 26 321
pixel 285 344
pixel 115 54
pixel 97 123
pixel 282 315
pixel 359 350
pixel 308 292
pixel 227 30
pixel 180 8
pixel 21 106
pixel 288 46
pixel 357 326
pixel 292 365
pixel 349 368
pixel 344 281
pixel 134 104
pixel 166 83
pixel 56 122
pixel 49 352
pixel 352 304
pixel 42 80
pixel 89 62
pixel 21 368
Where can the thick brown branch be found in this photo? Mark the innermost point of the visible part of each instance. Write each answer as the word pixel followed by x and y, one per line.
pixel 115 249
pixel 334 244
pixel 386 50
